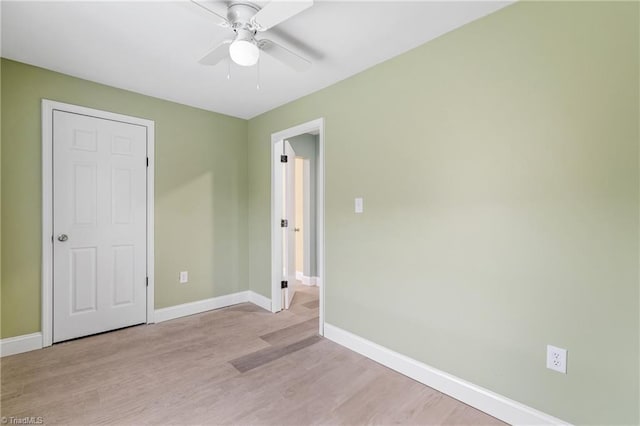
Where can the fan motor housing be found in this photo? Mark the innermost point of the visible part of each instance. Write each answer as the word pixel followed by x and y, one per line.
pixel 240 14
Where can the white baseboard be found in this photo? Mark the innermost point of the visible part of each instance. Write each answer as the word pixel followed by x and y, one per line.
pixel 30 342
pixel 310 281
pixel 485 400
pixel 186 309
pixel 260 300
pixel 20 344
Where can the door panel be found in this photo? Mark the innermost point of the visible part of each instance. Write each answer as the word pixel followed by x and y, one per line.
pixel 284 202
pixel 84 280
pixel 121 193
pixel 99 204
pixel 124 273
pixel 290 215
pixel 85 204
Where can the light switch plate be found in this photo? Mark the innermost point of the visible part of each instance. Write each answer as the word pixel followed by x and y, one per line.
pixel 184 277
pixel 359 205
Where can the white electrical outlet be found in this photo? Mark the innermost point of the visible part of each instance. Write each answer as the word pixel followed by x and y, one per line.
pixel 184 277
pixel 557 359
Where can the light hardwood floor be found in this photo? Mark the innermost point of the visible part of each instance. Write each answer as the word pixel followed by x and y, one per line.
pixel 238 365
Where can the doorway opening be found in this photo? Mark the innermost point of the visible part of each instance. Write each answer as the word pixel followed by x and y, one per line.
pixel 297 213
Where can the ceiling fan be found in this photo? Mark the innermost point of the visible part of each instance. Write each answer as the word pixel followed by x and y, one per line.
pixel 246 20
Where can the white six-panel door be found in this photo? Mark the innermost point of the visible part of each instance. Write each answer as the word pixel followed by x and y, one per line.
pixel 99 225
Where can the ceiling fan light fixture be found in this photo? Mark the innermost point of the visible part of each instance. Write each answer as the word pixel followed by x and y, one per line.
pixel 244 52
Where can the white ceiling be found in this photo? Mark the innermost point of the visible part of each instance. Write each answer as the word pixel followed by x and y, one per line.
pixel 153 48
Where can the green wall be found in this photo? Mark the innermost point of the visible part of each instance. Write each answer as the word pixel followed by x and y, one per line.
pixel 499 170
pixel 200 192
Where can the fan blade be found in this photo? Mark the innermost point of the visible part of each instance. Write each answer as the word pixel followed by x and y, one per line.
pixel 216 54
pixel 210 6
pixel 278 11
pixel 284 55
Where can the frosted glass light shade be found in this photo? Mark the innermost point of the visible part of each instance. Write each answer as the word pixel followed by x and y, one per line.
pixel 244 52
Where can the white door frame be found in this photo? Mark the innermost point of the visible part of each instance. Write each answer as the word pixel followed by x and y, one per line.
pixel 276 252
pixel 48 107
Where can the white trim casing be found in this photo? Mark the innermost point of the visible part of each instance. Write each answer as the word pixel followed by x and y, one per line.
pixel 20 344
pixel 276 299
pixel 47 205
pixel 151 287
pixel 320 245
pixel 499 406
pixel 47 223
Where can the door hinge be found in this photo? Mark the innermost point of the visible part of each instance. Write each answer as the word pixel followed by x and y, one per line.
pixel 147 161
pixel 147 281
pixel 284 158
pixel 284 284
pixel 284 223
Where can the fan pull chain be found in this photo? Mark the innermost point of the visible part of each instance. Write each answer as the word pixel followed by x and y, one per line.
pixel 229 69
pixel 258 75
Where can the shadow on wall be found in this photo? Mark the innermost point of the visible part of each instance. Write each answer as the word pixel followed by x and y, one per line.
pixel 199 217
pixel 200 171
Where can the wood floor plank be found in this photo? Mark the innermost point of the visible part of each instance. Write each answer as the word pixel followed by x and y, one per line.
pixel 311 305
pixel 264 356
pixel 238 365
pixel 292 333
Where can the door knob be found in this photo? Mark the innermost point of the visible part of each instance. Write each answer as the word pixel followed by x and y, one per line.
pixel 63 237
pixel 296 229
